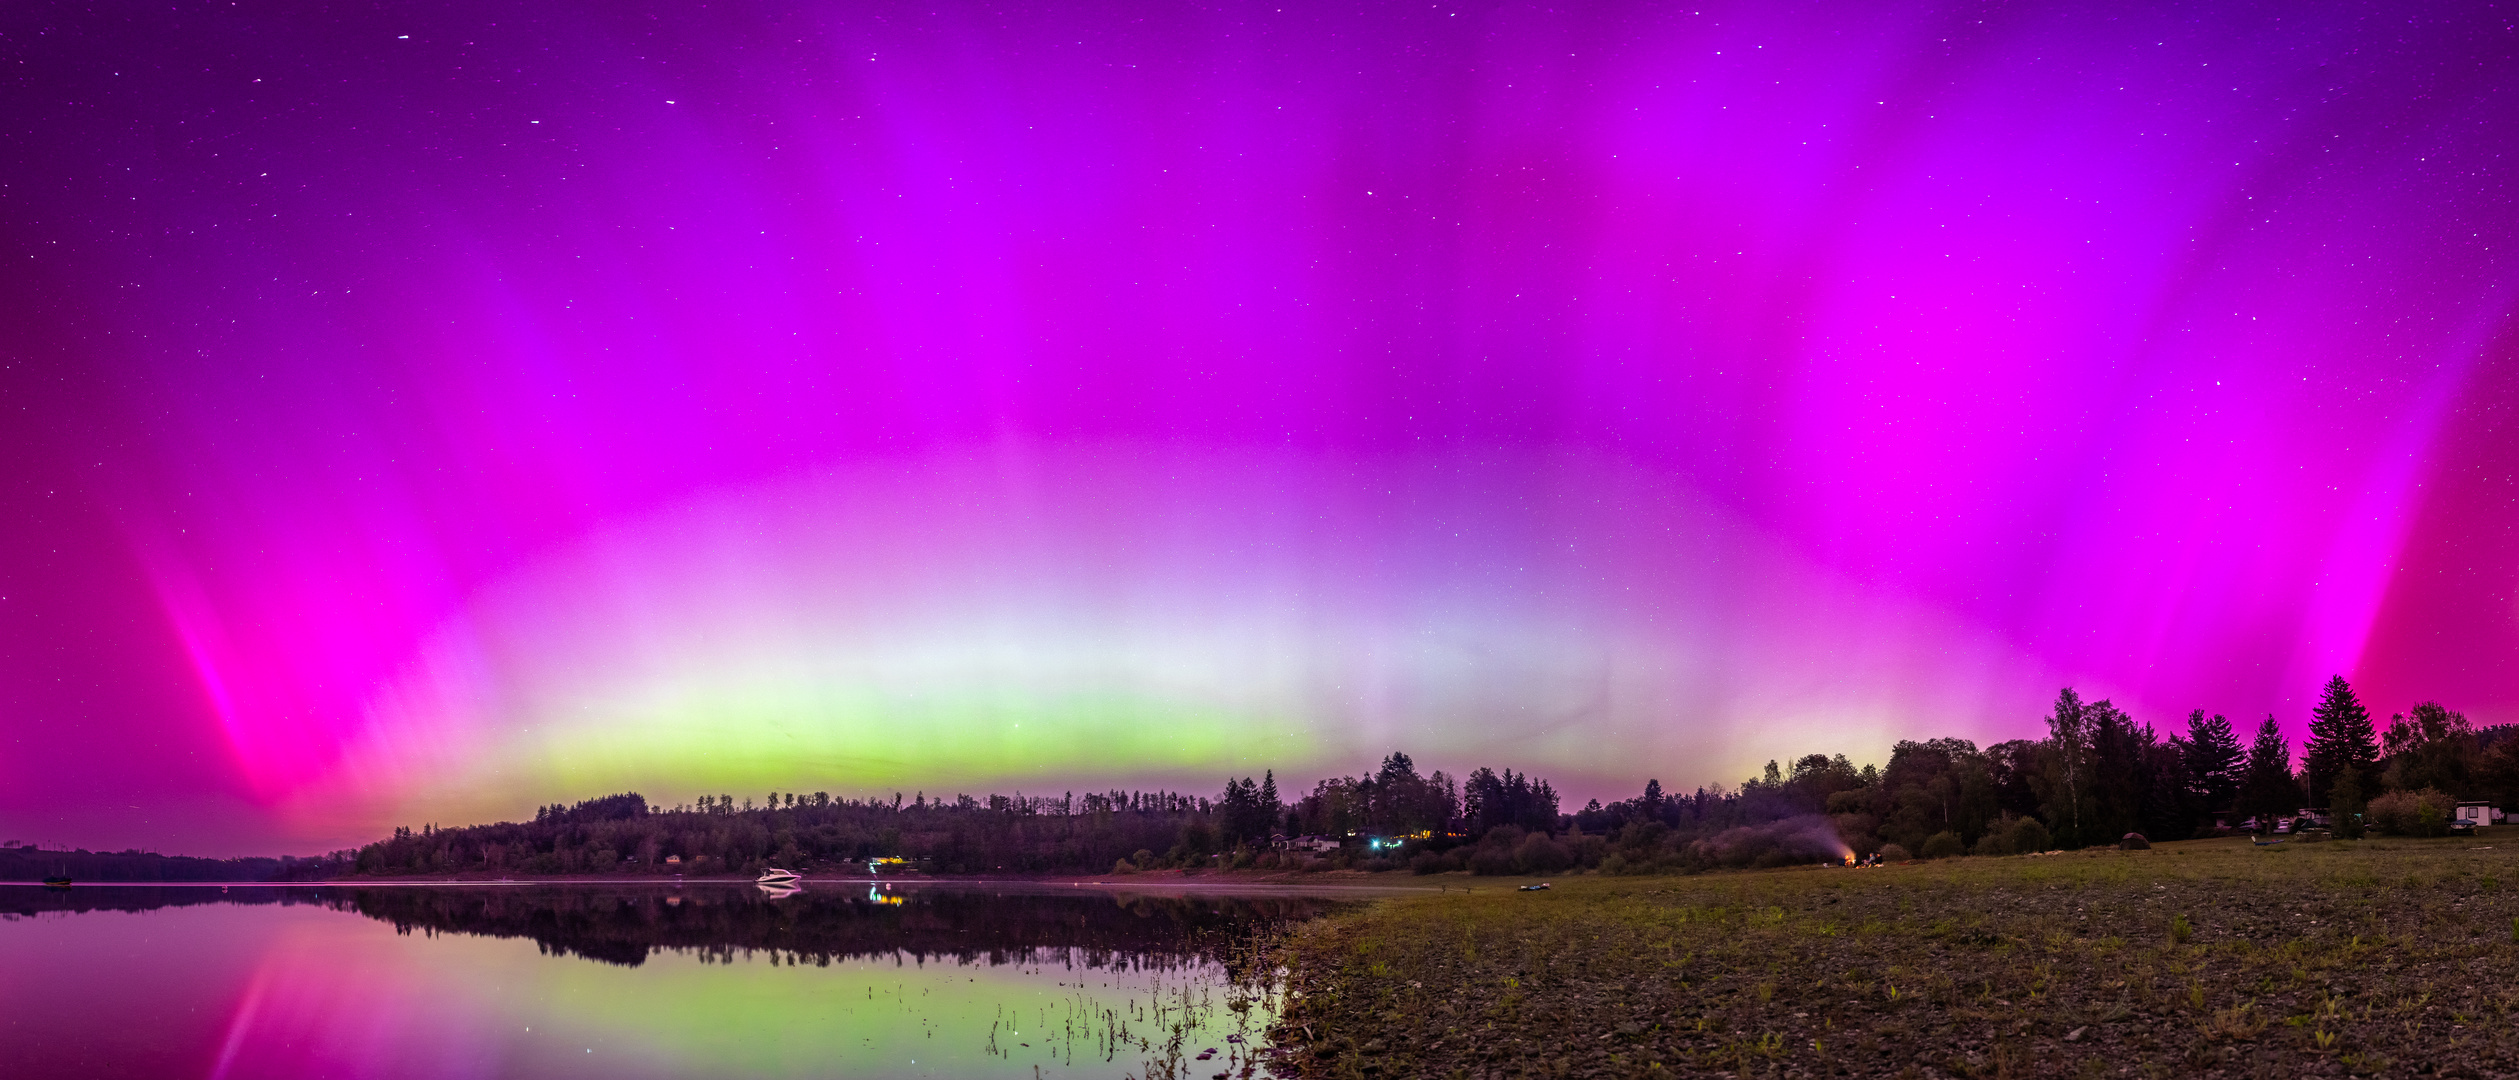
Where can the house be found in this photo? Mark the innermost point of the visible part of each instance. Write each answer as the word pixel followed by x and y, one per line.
pixel 1313 844
pixel 674 861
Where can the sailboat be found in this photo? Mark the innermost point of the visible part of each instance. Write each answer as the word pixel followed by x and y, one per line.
pixel 776 876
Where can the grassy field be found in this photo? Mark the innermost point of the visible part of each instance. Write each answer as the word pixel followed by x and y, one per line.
pixel 2207 958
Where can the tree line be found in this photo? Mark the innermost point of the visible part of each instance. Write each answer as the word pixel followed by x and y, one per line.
pixel 29 863
pixel 2097 775
pixel 1120 830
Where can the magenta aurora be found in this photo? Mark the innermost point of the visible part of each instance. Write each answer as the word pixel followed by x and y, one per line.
pixel 418 416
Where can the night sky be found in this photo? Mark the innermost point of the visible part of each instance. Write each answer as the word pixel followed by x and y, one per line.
pixel 419 413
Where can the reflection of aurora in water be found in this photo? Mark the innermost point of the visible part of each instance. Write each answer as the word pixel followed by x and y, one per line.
pixel 924 981
pixel 997 926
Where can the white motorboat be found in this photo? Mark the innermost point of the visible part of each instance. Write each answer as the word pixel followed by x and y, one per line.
pixel 776 876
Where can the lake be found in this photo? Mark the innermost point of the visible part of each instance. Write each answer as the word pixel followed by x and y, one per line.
pixel 634 980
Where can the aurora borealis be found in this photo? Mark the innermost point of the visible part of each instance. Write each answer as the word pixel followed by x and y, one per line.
pixel 422 414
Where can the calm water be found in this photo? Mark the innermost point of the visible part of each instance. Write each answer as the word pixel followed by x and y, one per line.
pixel 633 981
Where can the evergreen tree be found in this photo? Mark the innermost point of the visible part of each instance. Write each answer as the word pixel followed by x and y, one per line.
pixel 2170 806
pixel 1489 800
pixel 2340 737
pixel 1244 818
pixel 2215 761
pixel 2344 804
pixel 2120 774
pixel 2270 788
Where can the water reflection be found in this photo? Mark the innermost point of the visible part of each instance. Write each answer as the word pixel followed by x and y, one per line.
pixel 639 981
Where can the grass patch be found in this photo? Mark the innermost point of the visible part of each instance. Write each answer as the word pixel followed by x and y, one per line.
pixel 2196 959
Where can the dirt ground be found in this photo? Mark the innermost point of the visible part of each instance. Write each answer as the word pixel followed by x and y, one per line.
pixel 2207 958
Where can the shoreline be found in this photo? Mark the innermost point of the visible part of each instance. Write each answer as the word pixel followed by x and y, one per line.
pixel 1358 882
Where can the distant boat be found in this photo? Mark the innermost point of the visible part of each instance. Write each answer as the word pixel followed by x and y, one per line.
pixel 58 882
pixel 776 876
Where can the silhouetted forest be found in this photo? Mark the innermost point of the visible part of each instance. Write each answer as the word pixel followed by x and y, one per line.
pixel 2097 776
pixel 35 864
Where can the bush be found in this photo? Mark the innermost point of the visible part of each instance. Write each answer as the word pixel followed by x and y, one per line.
pixel 1537 854
pixel 1495 852
pixel 1943 845
pixel 1586 850
pixel 1805 839
pixel 2029 836
pixel 1993 843
pixel 2411 813
pixel 1428 862
pixel 1642 836
pixel 1893 853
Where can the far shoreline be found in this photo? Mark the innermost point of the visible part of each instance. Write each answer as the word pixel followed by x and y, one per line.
pixel 1337 880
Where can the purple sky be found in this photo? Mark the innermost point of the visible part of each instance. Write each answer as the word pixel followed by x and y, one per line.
pixel 424 414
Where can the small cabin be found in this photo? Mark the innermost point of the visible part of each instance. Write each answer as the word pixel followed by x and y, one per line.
pixel 673 860
pixel 2481 813
pixel 1314 843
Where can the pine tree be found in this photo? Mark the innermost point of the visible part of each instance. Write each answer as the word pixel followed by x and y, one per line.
pixel 2215 760
pixel 2340 737
pixel 2119 774
pixel 2270 789
pixel 2345 805
pixel 2171 808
